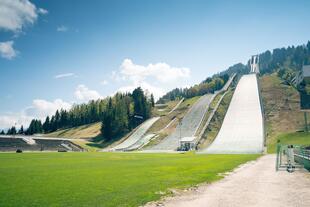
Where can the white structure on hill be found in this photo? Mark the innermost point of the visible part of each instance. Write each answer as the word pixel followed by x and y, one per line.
pixel 242 130
pixel 254 62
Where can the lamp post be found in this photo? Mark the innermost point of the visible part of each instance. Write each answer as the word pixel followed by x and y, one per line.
pixel 306 122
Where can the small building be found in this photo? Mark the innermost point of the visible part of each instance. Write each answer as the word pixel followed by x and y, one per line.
pixel 187 143
pixel 303 75
pixel 306 73
pixel 304 87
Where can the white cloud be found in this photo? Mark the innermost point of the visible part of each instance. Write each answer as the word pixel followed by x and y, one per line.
pixel 7 51
pixel 39 110
pixel 156 78
pixel 83 93
pixel 160 71
pixel 148 88
pixel 16 14
pixel 104 82
pixel 64 75
pixel 62 28
pixel 7 121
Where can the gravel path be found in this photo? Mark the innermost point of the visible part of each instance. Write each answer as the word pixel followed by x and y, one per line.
pixel 253 184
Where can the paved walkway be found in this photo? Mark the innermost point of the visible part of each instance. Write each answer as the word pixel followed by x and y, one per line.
pixel 253 184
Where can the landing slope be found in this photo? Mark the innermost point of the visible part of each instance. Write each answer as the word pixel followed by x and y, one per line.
pixel 242 130
pixel 137 135
pixel 189 125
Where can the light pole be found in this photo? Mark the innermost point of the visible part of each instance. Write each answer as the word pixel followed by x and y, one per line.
pixel 306 122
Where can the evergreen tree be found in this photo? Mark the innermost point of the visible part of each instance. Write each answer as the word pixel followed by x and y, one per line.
pixel 46 125
pixel 107 125
pixel 21 130
pixel 152 101
pixel 2 132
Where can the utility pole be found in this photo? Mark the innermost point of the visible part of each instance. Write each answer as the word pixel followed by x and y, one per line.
pixel 306 122
pixel 180 129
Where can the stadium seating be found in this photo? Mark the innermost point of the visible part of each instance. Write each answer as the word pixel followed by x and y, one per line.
pixel 12 144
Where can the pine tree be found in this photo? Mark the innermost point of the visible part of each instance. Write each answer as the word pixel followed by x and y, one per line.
pixel 46 125
pixel 21 130
pixel 152 100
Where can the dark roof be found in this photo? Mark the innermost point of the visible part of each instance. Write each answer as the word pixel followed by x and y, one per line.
pixel 306 70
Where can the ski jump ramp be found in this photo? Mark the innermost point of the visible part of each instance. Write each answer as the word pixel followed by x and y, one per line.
pixel 188 127
pixel 137 138
pixel 242 130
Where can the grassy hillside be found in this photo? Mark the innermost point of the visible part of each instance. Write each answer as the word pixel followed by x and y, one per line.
pixel 281 105
pixel 80 132
pixel 104 179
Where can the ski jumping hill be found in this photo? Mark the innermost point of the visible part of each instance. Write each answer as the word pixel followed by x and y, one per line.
pixel 242 130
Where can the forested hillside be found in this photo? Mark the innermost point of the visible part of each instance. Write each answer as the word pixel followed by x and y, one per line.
pixel 118 114
pixel 290 60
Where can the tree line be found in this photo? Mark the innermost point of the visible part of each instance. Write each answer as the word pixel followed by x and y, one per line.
pixel 124 112
pixel 118 114
pixel 209 85
pixel 290 60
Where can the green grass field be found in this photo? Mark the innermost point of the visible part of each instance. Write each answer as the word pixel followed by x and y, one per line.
pixel 104 179
pixel 298 138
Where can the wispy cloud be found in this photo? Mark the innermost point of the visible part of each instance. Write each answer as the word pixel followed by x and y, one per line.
pixel 42 11
pixel 7 51
pixel 64 75
pixel 104 82
pixel 62 28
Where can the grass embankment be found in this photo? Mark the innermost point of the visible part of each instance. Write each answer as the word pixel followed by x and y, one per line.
pixel 159 127
pixel 104 179
pixel 80 132
pixel 164 109
pixel 87 136
pixel 216 122
pixel 282 111
pixel 298 138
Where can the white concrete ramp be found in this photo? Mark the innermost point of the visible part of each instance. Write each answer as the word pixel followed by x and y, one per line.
pixel 242 130
pixel 137 136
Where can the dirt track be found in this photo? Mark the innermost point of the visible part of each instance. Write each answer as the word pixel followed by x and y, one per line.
pixel 253 184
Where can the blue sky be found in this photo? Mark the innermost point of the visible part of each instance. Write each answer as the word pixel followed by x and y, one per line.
pixel 54 53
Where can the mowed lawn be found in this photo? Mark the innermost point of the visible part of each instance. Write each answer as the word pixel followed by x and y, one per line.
pixel 104 179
